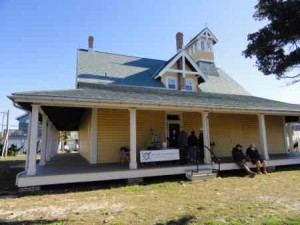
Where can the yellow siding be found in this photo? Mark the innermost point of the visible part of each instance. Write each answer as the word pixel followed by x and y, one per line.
pixel 113 133
pixel 84 135
pixel 201 55
pixel 275 134
pixel 227 130
pixel 147 120
pixel 192 121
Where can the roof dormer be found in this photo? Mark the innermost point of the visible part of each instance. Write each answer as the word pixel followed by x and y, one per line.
pixel 180 72
pixel 201 46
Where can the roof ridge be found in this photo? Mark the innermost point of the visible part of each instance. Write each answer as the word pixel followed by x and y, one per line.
pixel 132 56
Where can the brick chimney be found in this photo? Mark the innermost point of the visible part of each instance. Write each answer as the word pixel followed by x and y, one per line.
pixel 91 43
pixel 179 41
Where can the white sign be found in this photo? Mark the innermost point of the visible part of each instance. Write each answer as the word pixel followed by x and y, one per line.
pixel 159 155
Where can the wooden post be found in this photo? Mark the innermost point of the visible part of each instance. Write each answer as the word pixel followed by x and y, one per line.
pixel 31 170
pixel 206 137
pixel 94 126
pixel 263 135
pixel 44 141
pixel 133 163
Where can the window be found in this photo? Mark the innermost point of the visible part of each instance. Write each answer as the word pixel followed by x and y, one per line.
pixel 202 45
pixel 209 46
pixel 171 83
pixel 189 84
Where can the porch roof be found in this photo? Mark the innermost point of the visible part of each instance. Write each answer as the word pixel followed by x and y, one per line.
pixel 143 96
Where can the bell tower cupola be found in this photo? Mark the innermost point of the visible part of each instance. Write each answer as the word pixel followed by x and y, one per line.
pixel 201 46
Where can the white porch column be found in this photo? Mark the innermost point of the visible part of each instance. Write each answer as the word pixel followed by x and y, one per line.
pixel 94 126
pixel 206 137
pixel 133 163
pixel 28 138
pixel 44 141
pixel 263 135
pixel 31 170
pixel 285 133
pixel 49 138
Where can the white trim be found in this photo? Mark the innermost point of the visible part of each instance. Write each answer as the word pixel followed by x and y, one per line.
pixel 44 140
pixel 206 137
pixel 31 170
pixel 285 135
pixel 168 122
pixel 263 135
pixel 176 82
pixel 182 54
pixel 132 163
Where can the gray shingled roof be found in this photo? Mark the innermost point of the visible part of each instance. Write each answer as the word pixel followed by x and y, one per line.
pixel 218 81
pixel 160 96
pixel 101 67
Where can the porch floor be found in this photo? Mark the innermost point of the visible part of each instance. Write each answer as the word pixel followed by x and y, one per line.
pixel 72 168
pixel 74 163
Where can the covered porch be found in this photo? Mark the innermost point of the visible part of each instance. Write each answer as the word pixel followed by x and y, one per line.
pixel 105 125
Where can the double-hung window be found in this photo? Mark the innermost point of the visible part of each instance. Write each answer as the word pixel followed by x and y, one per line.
pixel 172 83
pixel 189 84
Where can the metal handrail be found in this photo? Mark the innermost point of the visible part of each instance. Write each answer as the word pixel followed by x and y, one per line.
pixel 214 159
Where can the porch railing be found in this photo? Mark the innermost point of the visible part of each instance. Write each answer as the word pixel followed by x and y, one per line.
pixel 214 159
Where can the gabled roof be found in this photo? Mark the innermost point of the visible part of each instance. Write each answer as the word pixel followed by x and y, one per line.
pixel 200 34
pixel 103 67
pixel 143 96
pixel 180 54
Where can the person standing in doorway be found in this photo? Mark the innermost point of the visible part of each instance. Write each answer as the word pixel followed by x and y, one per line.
pixel 173 141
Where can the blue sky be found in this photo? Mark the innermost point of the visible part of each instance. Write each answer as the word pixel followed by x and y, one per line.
pixel 38 40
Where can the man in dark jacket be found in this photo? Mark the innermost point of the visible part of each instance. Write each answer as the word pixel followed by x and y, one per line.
pixel 193 146
pixel 256 159
pixel 240 159
pixel 183 145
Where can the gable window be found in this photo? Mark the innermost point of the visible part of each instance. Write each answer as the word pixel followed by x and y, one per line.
pixel 189 84
pixel 202 45
pixel 209 46
pixel 172 83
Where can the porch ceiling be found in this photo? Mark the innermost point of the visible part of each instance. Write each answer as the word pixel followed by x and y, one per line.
pixel 64 118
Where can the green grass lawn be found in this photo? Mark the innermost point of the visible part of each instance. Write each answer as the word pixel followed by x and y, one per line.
pixel 267 199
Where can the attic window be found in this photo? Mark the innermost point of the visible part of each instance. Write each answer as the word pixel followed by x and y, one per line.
pixel 202 45
pixel 171 83
pixel 189 84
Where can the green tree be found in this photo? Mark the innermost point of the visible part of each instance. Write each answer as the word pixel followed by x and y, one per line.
pixel 276 45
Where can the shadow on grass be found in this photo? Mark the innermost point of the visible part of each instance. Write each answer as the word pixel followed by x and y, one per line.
pixel 181 221
pixel 31 222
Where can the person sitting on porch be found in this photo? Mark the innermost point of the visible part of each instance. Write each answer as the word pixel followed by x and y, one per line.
pixel 173 141
pixel 183 145
pixel 193 146
pixel 256 158
pixel 150 143
pixel 240 159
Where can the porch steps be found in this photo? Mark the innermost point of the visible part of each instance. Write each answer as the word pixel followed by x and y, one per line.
pixel 205 174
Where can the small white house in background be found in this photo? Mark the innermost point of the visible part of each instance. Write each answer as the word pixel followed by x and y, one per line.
pixel 118 99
